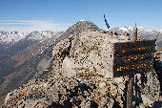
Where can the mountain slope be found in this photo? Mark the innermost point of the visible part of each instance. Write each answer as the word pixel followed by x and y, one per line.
pixel 20 62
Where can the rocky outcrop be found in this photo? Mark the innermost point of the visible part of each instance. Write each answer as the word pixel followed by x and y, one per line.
pixel 81 75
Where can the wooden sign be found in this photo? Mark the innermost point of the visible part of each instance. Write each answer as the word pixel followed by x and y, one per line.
pixel 133 57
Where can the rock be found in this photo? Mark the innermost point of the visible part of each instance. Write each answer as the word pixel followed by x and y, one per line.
pixel 102 84
pixel 68 67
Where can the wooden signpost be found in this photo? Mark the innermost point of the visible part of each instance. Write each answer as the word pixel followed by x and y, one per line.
pixel 131 58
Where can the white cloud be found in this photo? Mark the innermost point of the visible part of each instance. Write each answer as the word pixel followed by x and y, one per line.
pixel 30 25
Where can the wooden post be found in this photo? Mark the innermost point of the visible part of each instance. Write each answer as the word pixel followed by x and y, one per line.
pixel 131 79
pixel 130 91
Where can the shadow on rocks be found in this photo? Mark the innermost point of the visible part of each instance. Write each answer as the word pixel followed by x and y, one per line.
pixel 58 105
pixel 157 104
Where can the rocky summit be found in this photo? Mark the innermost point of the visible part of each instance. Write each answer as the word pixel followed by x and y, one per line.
pixel 80 75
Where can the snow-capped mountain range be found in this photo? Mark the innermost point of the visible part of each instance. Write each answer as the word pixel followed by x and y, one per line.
pixel 15 36
pixel 143 32
pixel 36 35
pixel 12 37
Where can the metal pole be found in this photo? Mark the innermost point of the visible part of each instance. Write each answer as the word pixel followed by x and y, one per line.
pixel 131 80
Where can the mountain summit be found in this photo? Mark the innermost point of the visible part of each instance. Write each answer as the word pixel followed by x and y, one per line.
pixel 81 26
pixel 80 75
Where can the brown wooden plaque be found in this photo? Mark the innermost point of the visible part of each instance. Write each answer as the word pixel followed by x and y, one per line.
pixel 133 57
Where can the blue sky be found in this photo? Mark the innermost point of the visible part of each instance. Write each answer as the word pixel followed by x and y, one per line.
pixel 56 15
